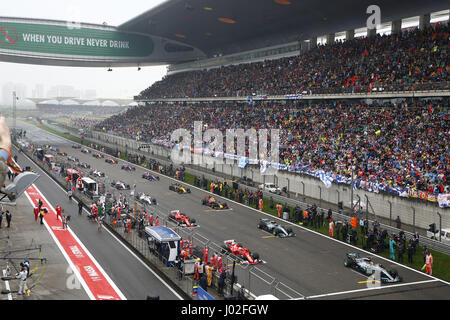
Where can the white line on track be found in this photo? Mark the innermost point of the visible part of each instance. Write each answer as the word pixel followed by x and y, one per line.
pixel 269 215
pixel 118 240
pixel 7 286
pixel 369 289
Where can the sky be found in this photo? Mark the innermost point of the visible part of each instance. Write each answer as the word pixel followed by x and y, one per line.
pixel 121 83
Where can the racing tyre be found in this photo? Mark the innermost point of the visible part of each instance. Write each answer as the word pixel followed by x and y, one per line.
pixel 393 273
pixel 192 220
pixel 172 216
pixel 255 256
pixel 348 263
pixel 225 249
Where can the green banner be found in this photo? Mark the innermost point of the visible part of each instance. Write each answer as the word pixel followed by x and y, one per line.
pixel 72 40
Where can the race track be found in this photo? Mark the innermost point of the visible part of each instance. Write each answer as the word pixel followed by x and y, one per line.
pixel 310 263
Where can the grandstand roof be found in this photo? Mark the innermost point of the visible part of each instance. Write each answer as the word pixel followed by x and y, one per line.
pixel 225 27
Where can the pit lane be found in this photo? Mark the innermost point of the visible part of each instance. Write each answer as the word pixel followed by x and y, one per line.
pixel 128 272
pixel 308 263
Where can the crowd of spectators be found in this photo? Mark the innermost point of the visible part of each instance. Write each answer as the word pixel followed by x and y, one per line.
pixel 399 144
pixel 412 60
pixel 83 122
pixel 404 144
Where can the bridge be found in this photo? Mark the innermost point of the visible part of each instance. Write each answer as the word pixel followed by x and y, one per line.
pixel 120 102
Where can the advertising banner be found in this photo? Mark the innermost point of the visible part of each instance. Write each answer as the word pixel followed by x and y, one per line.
pixel 52 39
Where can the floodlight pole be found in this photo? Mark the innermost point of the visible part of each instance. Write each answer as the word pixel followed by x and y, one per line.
pixel 14 109
pixel 440 226
pixel 134 196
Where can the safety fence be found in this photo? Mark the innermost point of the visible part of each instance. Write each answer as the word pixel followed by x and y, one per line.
pixel 239 273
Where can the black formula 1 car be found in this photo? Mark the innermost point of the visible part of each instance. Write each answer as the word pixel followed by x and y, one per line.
pixel 179 188
pixel 85 150
pixel 76 146
pixel 181 219
pixel 97 155
pixel 145 198
pixel 110 161
pixel 127 167
pixel 214 204
pixel 150 177
pixel 238 250
pixel 369 268
pixel 119 185
pixel 274 228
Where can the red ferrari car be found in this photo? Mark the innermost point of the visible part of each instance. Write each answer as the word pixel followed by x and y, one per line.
pixel 238 250
pixel 182 219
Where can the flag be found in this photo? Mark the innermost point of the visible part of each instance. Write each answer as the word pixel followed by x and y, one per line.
pixel 378 132
pixel 243 161
pixel 327 180
pixel 444 200
pixel 263 166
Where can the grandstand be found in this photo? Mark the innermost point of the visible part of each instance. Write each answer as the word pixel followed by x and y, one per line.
pixel 361 112
pixel 408 61
pixel 368 109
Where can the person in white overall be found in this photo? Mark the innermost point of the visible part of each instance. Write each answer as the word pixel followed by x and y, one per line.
pixel 22 275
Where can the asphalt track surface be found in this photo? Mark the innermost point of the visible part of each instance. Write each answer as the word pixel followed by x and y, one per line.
pixel 309 263
pixel 128 272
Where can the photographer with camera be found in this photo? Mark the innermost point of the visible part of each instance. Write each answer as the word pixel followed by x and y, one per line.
pixel 5 152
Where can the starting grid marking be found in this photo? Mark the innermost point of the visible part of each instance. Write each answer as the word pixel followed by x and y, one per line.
pixel 219 210
pixel 92 277
pixel 370 289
